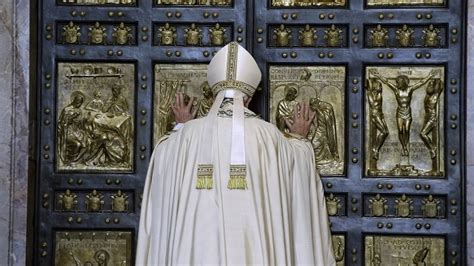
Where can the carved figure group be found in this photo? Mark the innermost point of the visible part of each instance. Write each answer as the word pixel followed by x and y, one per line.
pixel 404 207
pixel 403 92
pixel 94 133
pixel 323 132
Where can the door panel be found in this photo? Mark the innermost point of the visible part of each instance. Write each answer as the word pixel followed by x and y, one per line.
pixel 386 78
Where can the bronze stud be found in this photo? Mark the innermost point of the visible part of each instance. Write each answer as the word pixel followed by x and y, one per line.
pixel 294 16
pixel 355 160
pixel 380 225
pixel 110 13
pixel 206 53
pixel 322 16
pixel 177 14
pixel 284 16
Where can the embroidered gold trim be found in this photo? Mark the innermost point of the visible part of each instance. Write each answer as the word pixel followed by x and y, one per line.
pixel 233 84
pixel 238 173
pixel 232 55
pixel 204 176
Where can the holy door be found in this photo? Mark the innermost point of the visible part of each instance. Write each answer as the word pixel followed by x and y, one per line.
pixel 385 77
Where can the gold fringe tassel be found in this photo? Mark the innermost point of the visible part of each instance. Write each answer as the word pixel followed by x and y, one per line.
pixel 204 176
pixel 238 175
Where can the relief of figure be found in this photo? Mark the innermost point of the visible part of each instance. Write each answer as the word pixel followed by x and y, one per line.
pixel 116 105
pixel 95 104
pixel 405 36
pixel 217 35
pixel 193 36
pixel 73 140
pixel 308 36
pixel 122 34
pixel 71 33
pixel 97 34
pixel 379 36
pixel 431 36
pixel 102 258
pixel 430 125
pixel 286 106
pixel 404 206
pixel 333 36
pixel 282 36
pixel 377 119
pixel 168 90
pixel 167 34
pixel 206 103
pixel 323 133
pixel 403 93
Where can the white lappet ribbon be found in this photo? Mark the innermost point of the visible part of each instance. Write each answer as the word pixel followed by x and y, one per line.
pixel 238 170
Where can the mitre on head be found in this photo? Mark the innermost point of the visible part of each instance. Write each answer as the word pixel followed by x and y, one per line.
pixel 233 68
pixel 232 73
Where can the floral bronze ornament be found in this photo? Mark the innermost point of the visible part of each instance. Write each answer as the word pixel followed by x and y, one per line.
pixel 333 36
pixel 217 35
pixel 404 36
pixel 282 36
pixel 122 34
pixel 67 200
pixel 94 201
pixel 431 36
pixel 71 33
pixel 119 202
pixel 308 36
pixel 97 34
pixel 431 207
pixel 167 34
pixel 378 206
pixel 379 36
pixel 193 35
pixel 404 206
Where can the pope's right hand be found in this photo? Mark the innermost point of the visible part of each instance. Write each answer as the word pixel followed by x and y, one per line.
pixel 303 117
pixel 183 112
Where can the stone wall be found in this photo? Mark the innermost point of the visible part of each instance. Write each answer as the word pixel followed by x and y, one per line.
pixel 14 87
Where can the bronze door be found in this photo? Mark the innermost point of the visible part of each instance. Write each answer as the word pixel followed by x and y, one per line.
pixel 386 78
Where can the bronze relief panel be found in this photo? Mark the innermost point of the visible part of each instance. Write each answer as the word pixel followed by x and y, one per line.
pixel 404 121
pixel 191 79
pixel 95 116
pixel 96 33
pixel 406 36
pixel 308 3
pixel 323 87
pixel 339 248
pixel 98 2
pixel 404 250
pixel 93 248
pixel 401 3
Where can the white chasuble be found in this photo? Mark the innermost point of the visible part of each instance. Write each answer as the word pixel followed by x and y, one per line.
pixel 279 219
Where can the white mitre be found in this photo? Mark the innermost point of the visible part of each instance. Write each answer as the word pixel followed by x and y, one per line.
pixel 232 73
pixel 233 68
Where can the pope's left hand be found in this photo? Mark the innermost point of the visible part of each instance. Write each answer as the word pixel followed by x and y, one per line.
pixel 183 112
